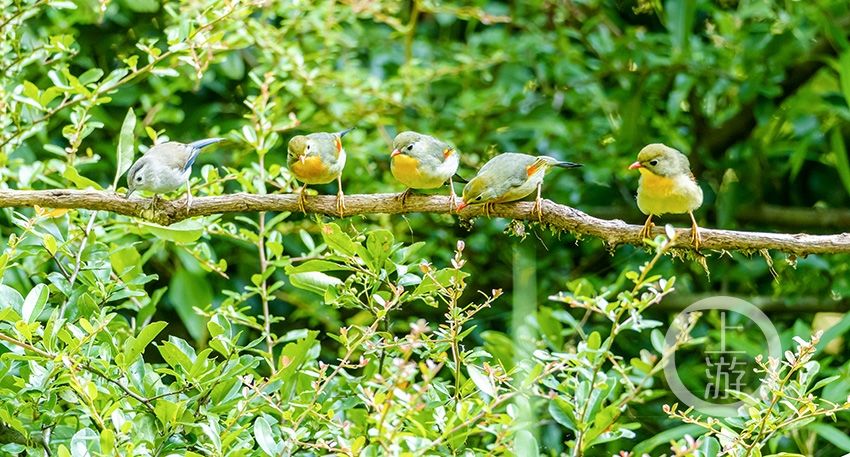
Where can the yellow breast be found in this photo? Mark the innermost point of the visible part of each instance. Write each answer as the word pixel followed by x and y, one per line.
pixel 311 171
pixel 656 185
pixel 407 170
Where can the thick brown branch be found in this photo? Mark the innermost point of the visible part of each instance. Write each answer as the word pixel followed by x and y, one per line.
pixel 562 217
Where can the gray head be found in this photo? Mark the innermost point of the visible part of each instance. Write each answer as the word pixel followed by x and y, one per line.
pixel 138 175
pixel 661 160
pixel 405 141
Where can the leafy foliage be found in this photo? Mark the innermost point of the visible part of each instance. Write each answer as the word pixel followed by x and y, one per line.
pixel 280 334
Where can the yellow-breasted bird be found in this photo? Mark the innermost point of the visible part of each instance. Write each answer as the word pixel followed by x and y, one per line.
pixel 318 158
pixel 666 186
pixel 507 177
pixel 423 162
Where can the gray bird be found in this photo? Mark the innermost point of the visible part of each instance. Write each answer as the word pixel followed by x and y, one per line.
pixel 508 177
pixel 318 158
pixel 165 167
pixel 423 162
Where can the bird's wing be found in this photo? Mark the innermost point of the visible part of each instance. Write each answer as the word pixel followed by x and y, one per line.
pixel 172 155
pixel 512 170
pixel 328 145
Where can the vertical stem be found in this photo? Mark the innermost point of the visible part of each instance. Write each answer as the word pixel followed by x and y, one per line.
pixel 264 295
pixel 524 305
pixel 411 31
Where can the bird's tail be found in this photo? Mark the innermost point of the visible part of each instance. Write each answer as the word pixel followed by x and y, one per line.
pixel 342 133
pixel 201 144
pixel 458 178
pixel 546 161
pixel 565 164
pixel 195 149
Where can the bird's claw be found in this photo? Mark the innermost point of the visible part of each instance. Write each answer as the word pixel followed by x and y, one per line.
pixel 452 202
pixel 488 207
pixel 646 231
pixel 340 203
pixel 402 197
pixel 302 200
pixel 538 209
pixel 696 239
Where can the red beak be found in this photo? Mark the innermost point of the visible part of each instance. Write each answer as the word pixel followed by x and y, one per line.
pixel 395 153
pixel 462 205
pixel 635 166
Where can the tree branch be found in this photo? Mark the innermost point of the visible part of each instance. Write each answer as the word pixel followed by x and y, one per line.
pixel 562 217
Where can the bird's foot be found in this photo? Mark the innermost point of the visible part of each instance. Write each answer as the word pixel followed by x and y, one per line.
pixel 488 207
pixel 302 200
pixel 340 203
pixel 646 231
pixel 538 209
pixel 188 203
pixel 402 197
pixel 696 239
pixel 452 202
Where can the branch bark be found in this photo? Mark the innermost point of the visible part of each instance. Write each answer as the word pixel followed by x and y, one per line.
pixel 613 232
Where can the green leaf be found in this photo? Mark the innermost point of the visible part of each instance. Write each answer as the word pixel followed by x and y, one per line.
pixel 338 240
pixel 34 303
pixel 314 281
pixel 562 411
pixel 10 298
pixel 666 436
pixel 185 292
pixel 141 6
pixel 135 346
pixel 79 181
pixel 594 341
pixel 680 22
pixel 187 231
pixel 263 435
pixel 525 445
pixel 842 165
pixel 126 146
pixel 844 75
pixel 482 381
pixel 379 245
pixel 316 265
pixel 835 436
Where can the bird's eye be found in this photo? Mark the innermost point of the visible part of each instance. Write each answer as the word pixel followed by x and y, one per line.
pixel 478 198
pixel 308 147
pixel 410 147
pixel 653 162
pixel 138 179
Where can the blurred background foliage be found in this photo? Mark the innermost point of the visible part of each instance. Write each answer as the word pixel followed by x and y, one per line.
pixel 756 92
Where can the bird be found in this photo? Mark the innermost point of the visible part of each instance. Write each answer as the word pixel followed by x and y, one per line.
pixel 666 186
pixel 508 177
pixel 165 167
pixel 318 158
pixel 423 162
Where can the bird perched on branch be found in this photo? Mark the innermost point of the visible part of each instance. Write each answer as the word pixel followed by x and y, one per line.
pixel 318 158
pixel 423 162
pixel 165 167
pixel 666 186
pixel 508 177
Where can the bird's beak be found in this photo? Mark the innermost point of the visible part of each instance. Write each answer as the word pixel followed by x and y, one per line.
pixel 130 191
pixel 635 166
pixel 462 205
pixel 395 153
pixel 302 159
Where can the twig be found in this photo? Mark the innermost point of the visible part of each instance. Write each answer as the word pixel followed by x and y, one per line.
pixel 613 232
